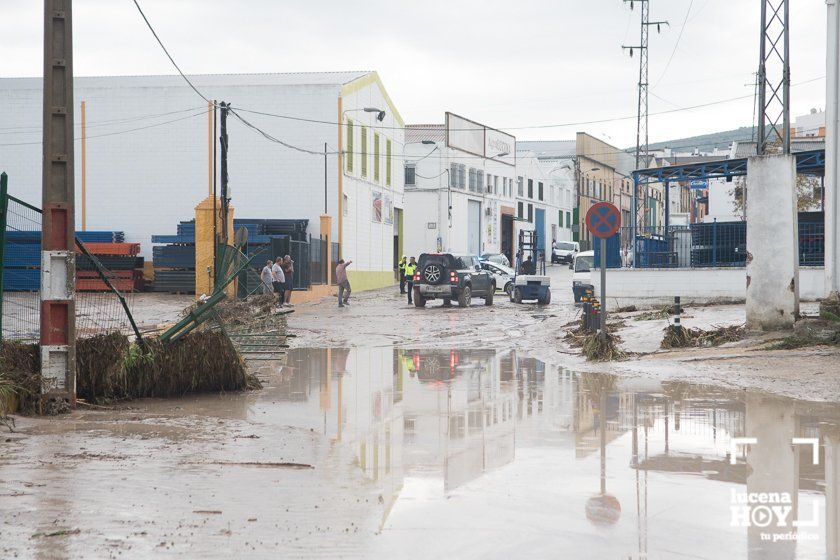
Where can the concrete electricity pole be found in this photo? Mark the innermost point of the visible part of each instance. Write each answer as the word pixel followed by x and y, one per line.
pixel 642 109
pixel 832 146
pixel 774 77
pixel 58 313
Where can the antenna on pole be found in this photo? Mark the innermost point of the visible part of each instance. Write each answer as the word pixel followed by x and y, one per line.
pixel 642 108
pixel 774 77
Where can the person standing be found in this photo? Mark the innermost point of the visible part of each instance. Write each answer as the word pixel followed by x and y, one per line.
pixel 279 280
pixel 267 279
pixel 289 272
pixel 401 269
pixel 343 283
pixel 410 268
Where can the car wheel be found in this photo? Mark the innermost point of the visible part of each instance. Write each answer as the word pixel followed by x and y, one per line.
pixel 447 302
pixel 465 297
pixel 508 288
pixel 488 299
pixel 517 295
pixel 419 300
pixel 546 300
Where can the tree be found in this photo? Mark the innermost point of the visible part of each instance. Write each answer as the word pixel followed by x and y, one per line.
pixel 808 194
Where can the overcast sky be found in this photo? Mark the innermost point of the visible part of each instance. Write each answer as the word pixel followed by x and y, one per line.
pixel 504 63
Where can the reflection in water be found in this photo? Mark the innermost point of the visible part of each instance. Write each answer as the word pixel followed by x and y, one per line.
pixel 449 435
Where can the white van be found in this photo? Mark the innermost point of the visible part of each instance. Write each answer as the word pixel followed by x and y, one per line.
pixel 564 251
pixel 582 276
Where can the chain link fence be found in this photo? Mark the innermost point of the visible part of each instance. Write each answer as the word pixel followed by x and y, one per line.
pixel 100 289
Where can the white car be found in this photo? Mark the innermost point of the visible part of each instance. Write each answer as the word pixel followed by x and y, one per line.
pixel 502 275
pixel 582 276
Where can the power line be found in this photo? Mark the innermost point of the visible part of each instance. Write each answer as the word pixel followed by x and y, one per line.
pixel 677 44
pixel 118 132
pixel 97 124
pixel 172 60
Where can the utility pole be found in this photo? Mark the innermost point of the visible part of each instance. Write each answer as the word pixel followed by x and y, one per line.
pixel 58 310
pixel 223 142
pixel 774 77
pixel 642 107
pixel 325 177
pixel 831 206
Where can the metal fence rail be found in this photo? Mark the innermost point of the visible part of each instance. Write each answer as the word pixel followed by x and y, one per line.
pixel 707 245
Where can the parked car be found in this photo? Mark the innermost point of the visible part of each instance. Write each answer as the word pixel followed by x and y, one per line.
pixel 446 276
pixel 502 275
pixel 497 258
pixel 564 252
pixel 582 277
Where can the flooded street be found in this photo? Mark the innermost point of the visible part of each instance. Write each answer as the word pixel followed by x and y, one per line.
pixel 378 452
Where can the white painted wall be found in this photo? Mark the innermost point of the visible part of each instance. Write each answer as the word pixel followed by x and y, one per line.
pixel 147 153
pixel 649 287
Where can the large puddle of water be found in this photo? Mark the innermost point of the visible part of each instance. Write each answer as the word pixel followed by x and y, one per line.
pixel 479 454
pixel 443 453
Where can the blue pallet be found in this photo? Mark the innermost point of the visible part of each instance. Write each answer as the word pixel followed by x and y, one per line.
pixel 23 236
pixel 173 239
pixel 174 256
pixel 101 236
pixel 22 255
pixel 21 280
pixel 186 228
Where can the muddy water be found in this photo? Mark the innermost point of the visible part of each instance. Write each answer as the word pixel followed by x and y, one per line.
pixel 384 453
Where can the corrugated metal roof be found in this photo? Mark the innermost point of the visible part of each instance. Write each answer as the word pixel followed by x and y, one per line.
pixel 747 149
pixel 278 79
pixel 420 132
pixel 549 149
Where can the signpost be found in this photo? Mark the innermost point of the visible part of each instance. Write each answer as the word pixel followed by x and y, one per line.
pixel 603 220
pixel 698 184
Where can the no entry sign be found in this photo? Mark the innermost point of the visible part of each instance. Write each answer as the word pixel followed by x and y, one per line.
pixel 603 220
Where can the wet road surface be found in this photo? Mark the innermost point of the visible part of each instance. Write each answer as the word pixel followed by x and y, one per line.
pixel 383 452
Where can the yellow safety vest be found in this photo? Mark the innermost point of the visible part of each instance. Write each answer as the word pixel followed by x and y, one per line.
pixel 409 270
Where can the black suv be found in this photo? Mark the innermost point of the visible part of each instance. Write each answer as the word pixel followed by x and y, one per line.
pixel 447 277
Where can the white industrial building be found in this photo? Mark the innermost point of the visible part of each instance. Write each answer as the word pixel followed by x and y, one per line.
pixel 544 199
pixel 460 190
pixel 149 153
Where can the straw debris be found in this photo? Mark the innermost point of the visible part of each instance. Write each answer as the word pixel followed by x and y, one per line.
pixel 830 308
pixel 20 366
pixel 597 350
pixel 680 337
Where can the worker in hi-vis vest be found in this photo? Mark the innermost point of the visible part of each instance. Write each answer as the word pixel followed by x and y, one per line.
pixel 410 268
pixel 401 268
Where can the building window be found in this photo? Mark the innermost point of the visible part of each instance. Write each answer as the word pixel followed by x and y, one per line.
pixel 568 219
pixel 462 176
pixel 560 217
pixel 410 175
pixel 530 188
pixel 540 191
pixel 495 184
pixel 472 179
pixel 349 153
pixel 344 205
pixel 364 151
pixel 479 181
pixel 519 210
pixel 388 162
pixel 519 187
pixel 376 157
pixel 531 213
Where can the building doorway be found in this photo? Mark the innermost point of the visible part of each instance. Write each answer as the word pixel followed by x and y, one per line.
pixel 474 227
pixel 507 236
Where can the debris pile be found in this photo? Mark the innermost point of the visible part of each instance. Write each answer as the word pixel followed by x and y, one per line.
pixel 20 379
pixel 597 349
pixel 680 337
pixel 830 308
